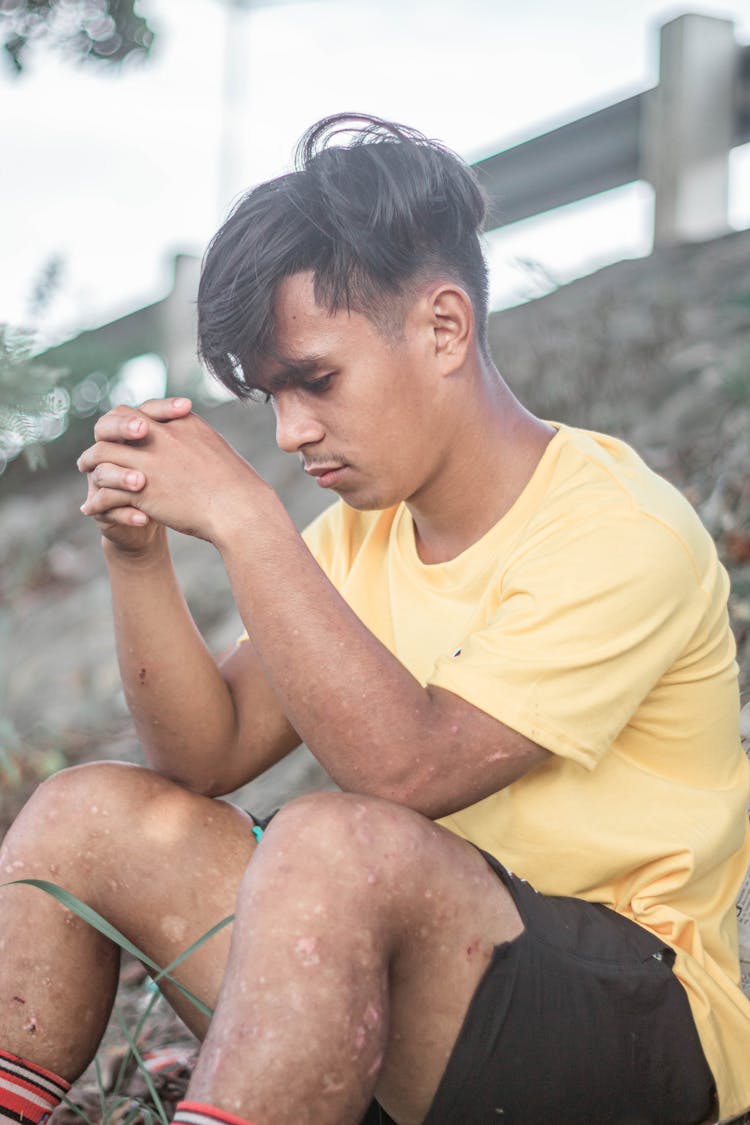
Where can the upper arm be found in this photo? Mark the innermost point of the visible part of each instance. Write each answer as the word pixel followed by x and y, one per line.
pixel 264 735
pixel 478 756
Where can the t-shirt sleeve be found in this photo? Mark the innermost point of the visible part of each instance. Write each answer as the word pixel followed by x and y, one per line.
pixel 585 625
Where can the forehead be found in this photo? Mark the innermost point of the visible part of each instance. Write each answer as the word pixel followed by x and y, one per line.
pixel 302 326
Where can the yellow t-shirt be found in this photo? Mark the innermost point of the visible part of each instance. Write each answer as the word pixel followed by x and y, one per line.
pixel 592 618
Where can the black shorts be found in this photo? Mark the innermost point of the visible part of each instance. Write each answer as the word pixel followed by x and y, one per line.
pixel 578 1021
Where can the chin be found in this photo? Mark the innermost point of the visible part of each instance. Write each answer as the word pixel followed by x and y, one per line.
pixel 364 502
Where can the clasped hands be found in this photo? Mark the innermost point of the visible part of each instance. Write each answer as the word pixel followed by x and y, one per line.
pixel 160 464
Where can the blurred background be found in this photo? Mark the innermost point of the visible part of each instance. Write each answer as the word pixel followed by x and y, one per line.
pixel 613 139
pixel 614 144
pixel 109 168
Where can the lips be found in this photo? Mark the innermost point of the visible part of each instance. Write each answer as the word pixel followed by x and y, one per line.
pixel 326 475
pixel 321 470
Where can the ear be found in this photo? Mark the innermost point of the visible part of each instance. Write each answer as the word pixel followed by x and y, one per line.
pixel 452 319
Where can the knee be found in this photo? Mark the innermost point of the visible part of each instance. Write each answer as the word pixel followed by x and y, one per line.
pixel 349 833
pixel 83 804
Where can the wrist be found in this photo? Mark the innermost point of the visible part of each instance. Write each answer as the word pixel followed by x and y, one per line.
pixel 144 554
pixel 253 518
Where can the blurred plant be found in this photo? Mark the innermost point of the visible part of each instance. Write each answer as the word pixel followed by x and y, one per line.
pixel 38 398
pixel 33 408
pixel 84 30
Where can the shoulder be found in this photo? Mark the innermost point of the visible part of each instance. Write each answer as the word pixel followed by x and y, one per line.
pixel 604 501
pixel 341 533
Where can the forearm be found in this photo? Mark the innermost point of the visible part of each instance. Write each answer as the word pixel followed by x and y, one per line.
pixel 360 711
pixel 181 706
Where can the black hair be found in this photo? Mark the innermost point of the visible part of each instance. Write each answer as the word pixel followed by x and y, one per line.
pixel 370 215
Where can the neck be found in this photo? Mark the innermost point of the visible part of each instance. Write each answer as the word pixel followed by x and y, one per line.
pixel 489 457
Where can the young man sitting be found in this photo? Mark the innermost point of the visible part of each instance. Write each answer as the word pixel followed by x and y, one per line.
pixel 507 643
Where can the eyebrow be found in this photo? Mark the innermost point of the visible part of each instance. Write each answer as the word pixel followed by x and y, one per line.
pixel 294 371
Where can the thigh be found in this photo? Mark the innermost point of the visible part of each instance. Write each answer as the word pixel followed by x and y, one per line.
pixel 579 1021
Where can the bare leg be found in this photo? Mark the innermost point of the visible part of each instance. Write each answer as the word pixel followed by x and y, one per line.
pixel 161 864
pixel 362 932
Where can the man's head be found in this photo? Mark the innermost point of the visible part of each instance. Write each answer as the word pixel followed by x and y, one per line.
pixel 372 211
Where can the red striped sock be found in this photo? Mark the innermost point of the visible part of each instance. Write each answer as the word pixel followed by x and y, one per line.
pixel 193 1113
pixel 28 1092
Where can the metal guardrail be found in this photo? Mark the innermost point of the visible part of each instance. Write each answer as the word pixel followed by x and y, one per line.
pixel 697 113
pixel 595 153
pixel 669 135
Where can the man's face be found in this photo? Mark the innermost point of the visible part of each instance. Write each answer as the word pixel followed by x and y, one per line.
pixel 356 406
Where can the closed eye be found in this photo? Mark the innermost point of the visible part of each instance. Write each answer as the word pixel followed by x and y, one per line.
pixel 319 386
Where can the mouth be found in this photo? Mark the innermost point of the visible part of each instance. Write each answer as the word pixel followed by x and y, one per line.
pixel 326 475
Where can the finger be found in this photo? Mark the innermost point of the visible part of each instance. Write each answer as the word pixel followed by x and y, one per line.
pixel 107 475
pixel 123 423
pixel 106 500
pixel 164 409
pixel 106 452
pixel 128 423
pixel 122 517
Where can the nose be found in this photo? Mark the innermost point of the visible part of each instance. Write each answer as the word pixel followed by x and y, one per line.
pixel 296 425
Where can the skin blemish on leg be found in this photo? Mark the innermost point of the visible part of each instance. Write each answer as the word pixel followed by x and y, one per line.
pixel 371 1017
pixel 360 1037
pixel 32 1026
pixel 173 927
pixel 142 676
pixel 18 1000
pixel 332 1085
pixel 472 949
pixel 305 948
pixel 372 879
pixel 375 1068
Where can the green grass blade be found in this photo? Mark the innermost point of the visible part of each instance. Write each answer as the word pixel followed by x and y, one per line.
pixel 100 1086
pixel 192 948
pixel 144 1070
pixel 66 1101
pixel 70 902
pixel 122 1070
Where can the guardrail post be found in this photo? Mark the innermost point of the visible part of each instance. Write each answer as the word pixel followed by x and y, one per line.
pixel 178 328
pixel 688 129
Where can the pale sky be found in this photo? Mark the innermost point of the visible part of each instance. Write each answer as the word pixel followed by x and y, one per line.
pixel 115 171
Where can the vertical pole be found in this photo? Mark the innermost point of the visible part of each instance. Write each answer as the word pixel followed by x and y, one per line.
pixel 178 322
pixel 234 111
pixel 687 129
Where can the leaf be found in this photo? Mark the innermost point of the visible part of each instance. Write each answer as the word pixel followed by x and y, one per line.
pixel 94 919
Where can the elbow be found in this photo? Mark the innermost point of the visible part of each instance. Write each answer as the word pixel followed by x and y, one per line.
pixel 418 788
